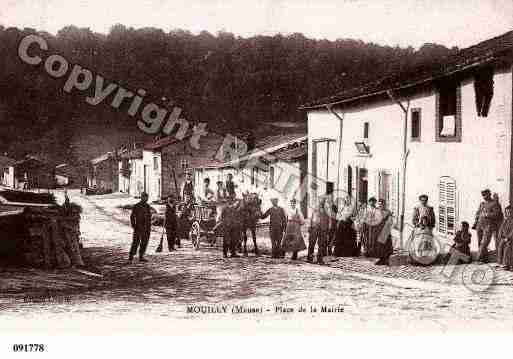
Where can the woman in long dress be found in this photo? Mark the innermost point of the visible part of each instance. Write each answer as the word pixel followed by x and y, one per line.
pixel 371 227
pixel 384 246
pixel 345 239
pixel 505 248
pixel 293 238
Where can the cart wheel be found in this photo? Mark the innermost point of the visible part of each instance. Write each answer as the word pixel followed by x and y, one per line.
pixel 194 235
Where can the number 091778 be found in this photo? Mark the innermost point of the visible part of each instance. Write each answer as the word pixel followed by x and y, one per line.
pixel 28 348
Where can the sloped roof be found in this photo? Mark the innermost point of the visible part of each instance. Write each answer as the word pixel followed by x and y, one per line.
pixel 293 152
pixel 492 51
pixel 269 146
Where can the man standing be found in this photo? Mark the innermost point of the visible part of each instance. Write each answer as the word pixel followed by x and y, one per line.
pixel 277 224
pixel 230 186
pixel 208 194
pixel 220 192
pixel 487 217
pixel 188 187
pixel 171 223
pixel 140 219
pixel 319 230
pixel 423 210
pixel 230 221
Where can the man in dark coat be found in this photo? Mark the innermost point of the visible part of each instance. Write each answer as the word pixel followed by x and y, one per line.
pixel 230 186
pixel 231 223
pixel 277 224
pixel 171 223
pixel 141 223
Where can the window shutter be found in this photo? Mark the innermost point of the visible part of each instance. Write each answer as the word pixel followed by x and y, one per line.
pixel 447 206
pixel 451 207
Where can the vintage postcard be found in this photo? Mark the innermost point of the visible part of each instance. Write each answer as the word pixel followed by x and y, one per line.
pixel 255 166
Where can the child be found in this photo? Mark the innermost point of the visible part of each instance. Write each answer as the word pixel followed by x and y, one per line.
pixel 277 223
pixel 462 244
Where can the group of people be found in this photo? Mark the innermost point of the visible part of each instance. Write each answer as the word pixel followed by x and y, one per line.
pixel 223 191
pixel 346 231
pixel 489 222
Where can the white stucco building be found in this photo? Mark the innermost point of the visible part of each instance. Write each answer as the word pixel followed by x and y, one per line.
pixel 458 136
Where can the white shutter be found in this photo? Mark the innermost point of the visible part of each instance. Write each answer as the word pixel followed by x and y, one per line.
pixel 451 207
pixel 447 206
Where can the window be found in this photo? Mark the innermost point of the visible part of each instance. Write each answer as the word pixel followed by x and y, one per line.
pixel 448 112
pixel 483 87
pixel 271 177
pixel 156 163
pixel 366 130
pixel 447 206
pixel 415 124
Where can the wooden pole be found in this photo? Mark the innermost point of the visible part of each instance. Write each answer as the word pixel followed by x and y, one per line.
pixel 341 119
pixel 403 160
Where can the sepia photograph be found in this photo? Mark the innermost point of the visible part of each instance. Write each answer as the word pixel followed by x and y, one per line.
pixel 180 168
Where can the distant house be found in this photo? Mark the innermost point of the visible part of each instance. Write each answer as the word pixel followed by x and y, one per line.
pixel 103 173
pixel 140 171
pixel 179 157
pixel 445 132
pixel 33 172
pixel 131 171
pixel 7 171
pixel 67 175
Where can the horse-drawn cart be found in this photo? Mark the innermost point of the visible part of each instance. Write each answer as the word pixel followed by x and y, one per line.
pixel 204 219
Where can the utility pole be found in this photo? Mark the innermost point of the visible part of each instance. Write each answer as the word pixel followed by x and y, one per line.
pixel 341 119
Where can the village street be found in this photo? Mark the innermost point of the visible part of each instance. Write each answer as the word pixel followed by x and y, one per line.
pixel 157 294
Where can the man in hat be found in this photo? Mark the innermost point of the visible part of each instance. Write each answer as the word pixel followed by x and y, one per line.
pixel 487 217
pixel 171 223
pixel 277 224
pixel 230 186
pixel 140 218
pixel 424 210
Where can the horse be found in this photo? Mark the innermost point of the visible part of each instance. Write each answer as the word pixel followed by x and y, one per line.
pixel 251 212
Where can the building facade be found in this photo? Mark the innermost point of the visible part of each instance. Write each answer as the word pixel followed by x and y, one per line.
pixel 457 141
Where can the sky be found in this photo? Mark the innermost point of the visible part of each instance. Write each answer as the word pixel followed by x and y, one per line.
pixel 387 22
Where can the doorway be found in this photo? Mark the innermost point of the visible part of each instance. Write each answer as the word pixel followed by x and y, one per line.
pixel 363 186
